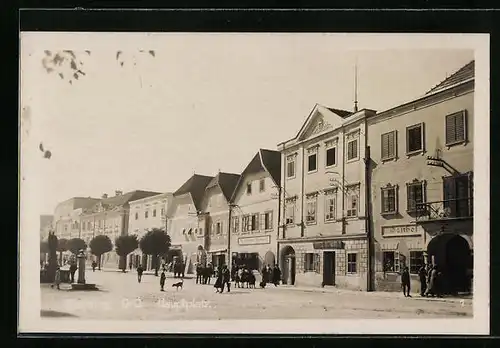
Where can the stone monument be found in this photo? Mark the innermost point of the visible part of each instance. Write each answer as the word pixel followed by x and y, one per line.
pixel 81 284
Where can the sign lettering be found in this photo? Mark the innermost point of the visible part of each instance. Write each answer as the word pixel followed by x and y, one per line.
pixel 330 244
pixel 401 230
pixel 254 240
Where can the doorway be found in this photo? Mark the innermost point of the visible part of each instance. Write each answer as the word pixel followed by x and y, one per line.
pixel 329 268
pixel 288 262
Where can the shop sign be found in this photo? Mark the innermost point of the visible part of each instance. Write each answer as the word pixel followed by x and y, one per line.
pixel 329 244
pixel 400 231
pixel 254 240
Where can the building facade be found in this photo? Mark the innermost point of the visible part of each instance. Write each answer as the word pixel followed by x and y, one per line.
pixel 67 216
pixel 110 217
pixel 187 225
pixel 215 207
pixel 255 212
pixel 323 240
pixel 146 214
pixel 421 175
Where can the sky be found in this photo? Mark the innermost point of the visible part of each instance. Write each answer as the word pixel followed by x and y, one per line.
pixel 203 103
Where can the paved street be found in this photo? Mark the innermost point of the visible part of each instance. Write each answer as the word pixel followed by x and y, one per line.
pixel 121 297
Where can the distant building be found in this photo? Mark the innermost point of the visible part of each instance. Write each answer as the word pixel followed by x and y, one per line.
pixel 215 210
pixel 46 222
pixel 422 161
pixel 146 214
pixel 324 238
pixel 255 212
pixel 187 225
pixel 66 222
pixel 110 216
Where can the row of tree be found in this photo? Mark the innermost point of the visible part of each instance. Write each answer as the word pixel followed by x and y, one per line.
pixel 155 242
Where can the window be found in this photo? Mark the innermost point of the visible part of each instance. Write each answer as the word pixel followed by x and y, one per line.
pixel 414 138
pixel 352 263
pixel 201 231
pixel 254 222
pixel 389 200
pixel 352 200
pixel 457 195
pixel 416 261
pixel 393 261
pixel 330 205
pixel 312 159
pixel 311 210
pixel 249 188
pixel 83 226
pixel 352 149
pixel 455 128
pixel 290 166
pixel 218 228
pixel 262 185
pixel 309 262
pixel 162 212
pixel 415 195
pixel 136 216
pixel 65 228
pixel 146 213
pixel 289 213
pixel 154 212
pixel 266 220
pixel 236 223
pixel 389 145
pixel 331 155
pixel 89 226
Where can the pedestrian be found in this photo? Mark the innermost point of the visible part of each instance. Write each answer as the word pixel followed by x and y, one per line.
pixel 432 279
pixel 199 273
pixel 72 271
pixel 405 282
pixel 264 276
pixel 57 279
pixel 140 270
pixel 94 265
pixel 276 275
pixel 163 277
pixel 218 280
pixel 226 279
pixel 422 275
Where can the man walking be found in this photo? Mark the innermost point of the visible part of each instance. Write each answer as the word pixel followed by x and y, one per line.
pixel 57 279
pixel 163 277
pixel 140 270
pixel 226 279
pixel 94 265
pixel 199 273
pixel 405 282
pixel 72 271
pixel 422 275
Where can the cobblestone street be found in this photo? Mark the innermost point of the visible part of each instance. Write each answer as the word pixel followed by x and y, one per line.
pixel 121 297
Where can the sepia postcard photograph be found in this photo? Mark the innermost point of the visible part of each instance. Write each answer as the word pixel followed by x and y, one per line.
pixel 312 183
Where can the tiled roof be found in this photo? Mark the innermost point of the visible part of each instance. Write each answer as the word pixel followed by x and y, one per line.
pixel 196 187
pixel 272 161
pixel 464 73
pixel 341 113
pixel 227 183
pixel 123 199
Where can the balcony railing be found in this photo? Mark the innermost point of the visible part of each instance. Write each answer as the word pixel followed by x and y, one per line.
pixel 460 208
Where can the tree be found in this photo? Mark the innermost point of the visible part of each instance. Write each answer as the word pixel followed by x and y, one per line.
pixel 76 244
pixel 62 245
pixel 155 242
pixel 124 245
pixel 99 245
pixel 52 244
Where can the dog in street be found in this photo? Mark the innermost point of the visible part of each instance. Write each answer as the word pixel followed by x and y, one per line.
pixel 178 285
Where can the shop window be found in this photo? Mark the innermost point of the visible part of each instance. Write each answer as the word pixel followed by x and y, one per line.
pixel 352 263
pixel 309 262
pixel 393 261
pixel 416 261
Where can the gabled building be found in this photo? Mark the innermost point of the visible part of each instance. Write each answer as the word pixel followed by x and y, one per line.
pixel 255 212
pixel 215 207
pixel 422 185
pixel 323 236
pixel 146 214
pixel 186 223
pixel 110 217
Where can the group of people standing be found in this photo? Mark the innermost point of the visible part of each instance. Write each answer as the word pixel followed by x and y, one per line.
pixel 271 275
pixel 430 281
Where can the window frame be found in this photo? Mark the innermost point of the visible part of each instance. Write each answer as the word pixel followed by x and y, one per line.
pixel 410 263
pixel 154 212
pixel 448 143
pixel 395 142
pixel 352 191
pixel 309 262
pixel 420 125
pixel 330 195
pixel 312 199
pixel 331 145
pixel 291 159
pixel 399 260
pixel 355 158
pixel 409 187
pixel 385 190
pixel 146 214
pixel 350 263
pixel 249 188
pixel 262 185
pixel 289 206
pixel 312 151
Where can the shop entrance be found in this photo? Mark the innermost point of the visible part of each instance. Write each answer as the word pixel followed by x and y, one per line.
pixel 329 268
pixel 288 262
pixel 218 260
pixel 249 260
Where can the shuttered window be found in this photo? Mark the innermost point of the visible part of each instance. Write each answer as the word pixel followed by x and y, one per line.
pixel 455 128
pixel 352 149
pixel 415 138
pixel 389 145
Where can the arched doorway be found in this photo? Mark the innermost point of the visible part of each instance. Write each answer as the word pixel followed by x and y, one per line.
pixel 288 265
pixel 452 254
pixel 269 259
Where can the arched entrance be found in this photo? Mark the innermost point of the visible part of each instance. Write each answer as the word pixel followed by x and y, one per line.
pixel 452 254
pixel 269 259
pixel 288 265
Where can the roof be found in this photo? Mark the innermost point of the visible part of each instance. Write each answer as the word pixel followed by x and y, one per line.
pixel 195 185
pixel 227 183
pixel 340 112
pixel 123 199
pixel 267 160
pixel 464 73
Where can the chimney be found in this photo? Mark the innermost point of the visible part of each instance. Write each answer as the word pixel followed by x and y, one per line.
pixel 118 193
pixel 104 195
